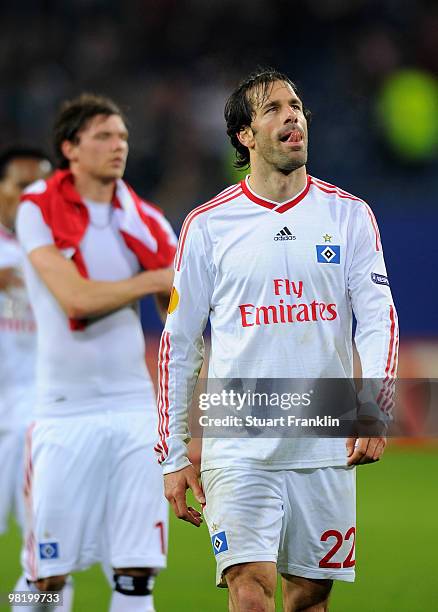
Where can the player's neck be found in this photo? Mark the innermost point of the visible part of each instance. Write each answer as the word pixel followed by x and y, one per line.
pixel 90 188
pixel 275 186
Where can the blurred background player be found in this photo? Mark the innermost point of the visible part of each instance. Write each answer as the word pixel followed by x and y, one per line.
pixel 19 166
pixel 274 504
pixel 91 481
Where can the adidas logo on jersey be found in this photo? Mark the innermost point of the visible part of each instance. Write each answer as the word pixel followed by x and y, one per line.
pixel 284 234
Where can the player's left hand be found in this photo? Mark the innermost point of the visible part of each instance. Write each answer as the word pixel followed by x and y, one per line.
pixel 364 450
pixel 175 488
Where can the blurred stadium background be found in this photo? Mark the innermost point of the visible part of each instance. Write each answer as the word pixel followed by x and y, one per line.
pixel 368 70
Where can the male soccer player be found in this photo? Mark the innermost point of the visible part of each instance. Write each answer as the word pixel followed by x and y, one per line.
pixel 94 248
pixel 19 166
pixel 278 262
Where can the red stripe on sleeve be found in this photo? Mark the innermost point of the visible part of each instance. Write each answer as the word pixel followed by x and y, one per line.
pixel 162 403
pixel 392 319
pixel 375 227
pixel 166 387
pixel 160 390
pixel 389 363
pixel 197 211
pixel 327 188
pixel 187 220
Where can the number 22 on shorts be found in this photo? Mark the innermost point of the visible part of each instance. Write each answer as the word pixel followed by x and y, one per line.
pixel 349 560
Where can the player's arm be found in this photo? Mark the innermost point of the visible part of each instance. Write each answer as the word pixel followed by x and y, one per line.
pixel 180 360
pixel 376 335
pixel 79 297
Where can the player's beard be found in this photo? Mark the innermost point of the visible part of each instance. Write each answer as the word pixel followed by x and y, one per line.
pixel 283 162
pixel 289 165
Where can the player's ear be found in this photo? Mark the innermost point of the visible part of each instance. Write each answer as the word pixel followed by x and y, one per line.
pixel 246 137
pixel 68 148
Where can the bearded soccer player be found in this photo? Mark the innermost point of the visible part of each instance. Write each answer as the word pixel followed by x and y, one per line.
pixel 93 489
pixel 19 166
pixel 283 505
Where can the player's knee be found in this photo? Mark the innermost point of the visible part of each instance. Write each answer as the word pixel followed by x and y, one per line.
pixel 134 580
pixel 307 595
pixel 251 587
pixel 51 583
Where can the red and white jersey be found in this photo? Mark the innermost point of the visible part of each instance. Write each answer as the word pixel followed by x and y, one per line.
pixel 17 341
pixel 106 360
pixel 279 283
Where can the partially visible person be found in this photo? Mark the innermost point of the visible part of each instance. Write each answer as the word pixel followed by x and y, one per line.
pixel 93 489
pixel 19 166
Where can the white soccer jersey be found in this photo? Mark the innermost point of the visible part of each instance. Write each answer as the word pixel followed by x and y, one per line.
pixel 106 360
pixel 279 283
pixel 17 341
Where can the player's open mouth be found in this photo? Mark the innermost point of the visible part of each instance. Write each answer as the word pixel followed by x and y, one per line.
pixel 292 136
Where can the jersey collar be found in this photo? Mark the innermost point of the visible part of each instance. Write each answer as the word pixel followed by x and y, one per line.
pixel 279 207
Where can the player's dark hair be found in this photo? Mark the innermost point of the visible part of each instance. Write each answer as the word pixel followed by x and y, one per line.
pixel 12 153
pixel 73 117
pixel 240 111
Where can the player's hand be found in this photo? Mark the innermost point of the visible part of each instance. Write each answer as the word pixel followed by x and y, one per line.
pixel 364 450
pixel 175 487
pixel 9 278
pixel 165 279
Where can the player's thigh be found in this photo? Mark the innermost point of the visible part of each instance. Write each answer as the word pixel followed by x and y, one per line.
pixel 136 510
pixel 9 457
pixel 244 513
pixel 318 538
pixel 65 489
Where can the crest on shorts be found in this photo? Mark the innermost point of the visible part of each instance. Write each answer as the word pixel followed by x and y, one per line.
pixel 219 541
pixel 49 550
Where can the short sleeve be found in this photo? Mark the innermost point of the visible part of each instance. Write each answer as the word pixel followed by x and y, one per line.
pixel 32 230
pixel 164 235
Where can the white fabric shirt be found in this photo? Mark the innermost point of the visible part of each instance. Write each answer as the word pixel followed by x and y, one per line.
pixel 82 371
pixel 279 283
pixel 17 341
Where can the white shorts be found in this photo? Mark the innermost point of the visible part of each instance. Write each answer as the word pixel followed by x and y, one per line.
pixel 11 476
pixel 93 491
pixel 303 520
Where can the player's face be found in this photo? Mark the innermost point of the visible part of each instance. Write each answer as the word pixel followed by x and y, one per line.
pixel 102 148
pixel 279 129
pixel 20 173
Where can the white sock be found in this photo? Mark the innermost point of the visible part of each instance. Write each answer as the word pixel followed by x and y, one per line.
pixel 131 603
pixel 67 597
pixel 108 571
